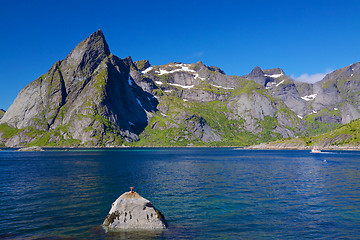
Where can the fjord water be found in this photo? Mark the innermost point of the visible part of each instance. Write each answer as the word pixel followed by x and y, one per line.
pixel 204 193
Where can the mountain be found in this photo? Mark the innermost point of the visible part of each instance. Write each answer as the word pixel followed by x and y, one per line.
pixel 280 86
pixel 332 101
pixel 340 90
pixel 201 105
pixel 93 98
pixel 347 136
pixel 322 106
pixel 85 99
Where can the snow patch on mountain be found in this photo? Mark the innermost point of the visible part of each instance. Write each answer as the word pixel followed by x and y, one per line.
pixel 280 83
pixel 182 86
pixel 274 75
pixel 147 70
pixel 217 86
pixel 183 68
pixel 309 97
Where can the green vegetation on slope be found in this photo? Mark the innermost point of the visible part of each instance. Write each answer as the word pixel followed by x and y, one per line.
pixel 215 113
pixel 173 129
pixel 142 64
pixel 7 131
pixel 347 134
pixel 316 127
pixel 162 131
pixel 268 124
pixel 38 137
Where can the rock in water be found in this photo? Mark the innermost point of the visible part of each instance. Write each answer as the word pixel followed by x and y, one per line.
pixel 132 211
pixel 31 149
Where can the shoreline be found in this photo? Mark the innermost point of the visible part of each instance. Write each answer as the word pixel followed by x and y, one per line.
pixel 255 147
pixel 305 148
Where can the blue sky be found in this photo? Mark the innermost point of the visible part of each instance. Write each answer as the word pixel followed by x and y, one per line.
pixel 304 38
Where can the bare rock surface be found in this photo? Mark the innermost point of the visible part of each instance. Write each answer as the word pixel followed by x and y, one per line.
pixel 132 211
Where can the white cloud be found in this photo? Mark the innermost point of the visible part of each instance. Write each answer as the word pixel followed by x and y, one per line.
pixel 312 78
pixel 198 54
pixel 195 55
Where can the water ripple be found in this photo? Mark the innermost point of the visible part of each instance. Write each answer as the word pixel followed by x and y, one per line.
pixel 204 193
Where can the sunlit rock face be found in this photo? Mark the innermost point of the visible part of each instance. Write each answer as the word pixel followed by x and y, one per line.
pixel 132 211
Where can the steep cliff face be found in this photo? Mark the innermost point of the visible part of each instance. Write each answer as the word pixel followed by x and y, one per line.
pixel 340 90
pixel 322 106
pixel 88 99
pixel 280 86
pixel 332 101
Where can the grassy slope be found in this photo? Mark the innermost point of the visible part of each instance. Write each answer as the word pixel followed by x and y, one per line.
pixel 345 136
pixel 316 127
pixel 171 133
pixel 167 131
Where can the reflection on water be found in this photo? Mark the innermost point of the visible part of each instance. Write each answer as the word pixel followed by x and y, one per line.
pixel 204 193
pixel 133 234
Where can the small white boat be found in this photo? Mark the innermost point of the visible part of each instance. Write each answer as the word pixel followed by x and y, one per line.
pixel 315 150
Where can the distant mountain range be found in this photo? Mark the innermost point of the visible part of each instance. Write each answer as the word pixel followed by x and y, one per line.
pixel 93 98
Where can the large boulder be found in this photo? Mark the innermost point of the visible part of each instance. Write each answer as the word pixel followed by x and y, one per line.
pixel 132 211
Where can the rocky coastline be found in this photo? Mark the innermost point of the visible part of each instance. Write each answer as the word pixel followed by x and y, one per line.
pixel 264 146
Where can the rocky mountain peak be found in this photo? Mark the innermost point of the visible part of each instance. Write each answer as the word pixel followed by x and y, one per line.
pixel 350 72
pixel 128 61
pixel 142 64
pixel 86 56
pixel 90 93
pixel 274 72
pixel 92 46
pixel 216 69
pixel 256 72
pixel 258 76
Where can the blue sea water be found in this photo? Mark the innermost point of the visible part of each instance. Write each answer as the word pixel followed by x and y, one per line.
pixel 204 193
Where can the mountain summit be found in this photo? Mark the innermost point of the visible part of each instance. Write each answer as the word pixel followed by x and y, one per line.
pixel 86 99
pixel 85 58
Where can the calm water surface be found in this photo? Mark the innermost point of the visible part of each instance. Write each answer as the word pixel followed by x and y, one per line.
pixel 204 193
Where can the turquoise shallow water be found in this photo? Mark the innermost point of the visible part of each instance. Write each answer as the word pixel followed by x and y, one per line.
pixel 204 193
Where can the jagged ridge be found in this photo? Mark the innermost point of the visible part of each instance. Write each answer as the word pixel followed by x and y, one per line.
pixel 93 98
pixel 86 98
